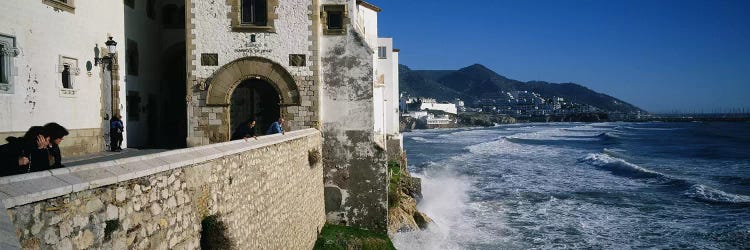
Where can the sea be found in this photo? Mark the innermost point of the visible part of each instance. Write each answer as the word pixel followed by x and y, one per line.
pixel 583 186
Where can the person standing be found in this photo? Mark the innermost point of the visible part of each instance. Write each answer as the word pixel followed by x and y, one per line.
pixel 57 134
pixel 276 127
pixel 116 128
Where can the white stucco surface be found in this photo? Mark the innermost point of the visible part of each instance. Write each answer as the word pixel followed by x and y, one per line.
pixel 43 35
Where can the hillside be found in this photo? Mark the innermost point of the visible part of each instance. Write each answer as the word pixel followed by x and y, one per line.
pixel 477 81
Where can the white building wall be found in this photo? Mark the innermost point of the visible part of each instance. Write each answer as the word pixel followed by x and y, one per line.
pixel 367 23
pixel 388 70
pixel 43 35
pixel 447 107
pixel 379 114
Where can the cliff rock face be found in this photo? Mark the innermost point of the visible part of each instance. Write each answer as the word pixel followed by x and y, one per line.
pixel 404 194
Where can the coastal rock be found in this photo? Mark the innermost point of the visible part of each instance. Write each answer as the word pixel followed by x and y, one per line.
pixel 404 216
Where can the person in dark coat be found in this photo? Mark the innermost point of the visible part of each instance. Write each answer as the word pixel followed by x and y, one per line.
pixel 25 154
pixel 245 130
pixel 57 134
pixel 115 133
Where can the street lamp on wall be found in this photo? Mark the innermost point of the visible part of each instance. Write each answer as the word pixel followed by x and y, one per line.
pixel 111 50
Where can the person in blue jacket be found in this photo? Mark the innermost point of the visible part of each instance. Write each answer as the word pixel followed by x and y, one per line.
pixel 276 127
pixel 116 128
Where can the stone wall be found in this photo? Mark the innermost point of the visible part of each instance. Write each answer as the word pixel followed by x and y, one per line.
pixel 267 191
pixel 78 142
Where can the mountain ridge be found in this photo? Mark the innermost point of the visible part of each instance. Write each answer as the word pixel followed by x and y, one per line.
pixel 476 81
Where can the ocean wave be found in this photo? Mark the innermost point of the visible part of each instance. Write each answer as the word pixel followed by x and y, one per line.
pixel 621 167
pixel 419 139
pixel 712 195
pixel 698 192
pixel 652 129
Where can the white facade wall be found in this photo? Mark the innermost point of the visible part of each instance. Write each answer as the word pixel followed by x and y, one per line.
pixel 43 35
pixel 379 113
pixel 447 107
pixel 367 23
pixel 212 25
pixel 388 71
pixel 392 123
pixel 418 114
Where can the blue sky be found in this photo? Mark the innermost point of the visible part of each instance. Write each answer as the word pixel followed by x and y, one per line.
pixel 657 54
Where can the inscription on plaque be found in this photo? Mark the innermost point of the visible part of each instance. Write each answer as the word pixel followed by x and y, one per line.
pixel 297 60
pixel 209 59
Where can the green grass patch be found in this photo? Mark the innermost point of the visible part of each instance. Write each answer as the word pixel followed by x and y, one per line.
pixel 394 171
pixel 342 237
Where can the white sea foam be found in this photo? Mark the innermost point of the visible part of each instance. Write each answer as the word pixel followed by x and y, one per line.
pixel 618 165
pixel 417 138
pixel 445 198
pixel 712 195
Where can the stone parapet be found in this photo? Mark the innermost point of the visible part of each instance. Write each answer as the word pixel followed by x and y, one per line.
pixel 267 191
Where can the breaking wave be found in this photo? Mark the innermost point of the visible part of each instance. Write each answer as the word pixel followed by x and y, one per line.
pixel 698 192
pixel 712 195
pixel 621 167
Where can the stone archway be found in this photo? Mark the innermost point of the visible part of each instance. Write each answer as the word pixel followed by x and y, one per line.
pixel 222 84
pixel 226 80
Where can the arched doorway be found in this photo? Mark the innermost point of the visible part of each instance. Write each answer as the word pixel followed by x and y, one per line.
pixel 254 98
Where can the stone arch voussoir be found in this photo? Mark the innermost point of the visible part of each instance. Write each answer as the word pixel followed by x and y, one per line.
pixel 223 82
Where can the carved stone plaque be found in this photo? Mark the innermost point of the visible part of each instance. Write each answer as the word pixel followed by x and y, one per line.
pixel 297 60
pixel 208 59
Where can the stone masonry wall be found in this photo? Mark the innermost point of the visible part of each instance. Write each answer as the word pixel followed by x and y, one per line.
pixel 78 142
pixel 270 197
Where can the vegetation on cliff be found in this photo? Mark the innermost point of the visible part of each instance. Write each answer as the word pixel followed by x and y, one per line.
pixel 403 193
pixel 334 237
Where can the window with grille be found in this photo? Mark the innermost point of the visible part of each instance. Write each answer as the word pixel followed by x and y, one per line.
pixel 8 52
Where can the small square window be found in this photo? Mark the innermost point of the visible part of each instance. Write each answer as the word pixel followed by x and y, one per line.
pixel 382 52
pixel 253 15
pixel 254 12
pixel 334 19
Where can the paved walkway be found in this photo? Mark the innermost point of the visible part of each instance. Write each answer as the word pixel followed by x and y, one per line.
pixel 108 156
